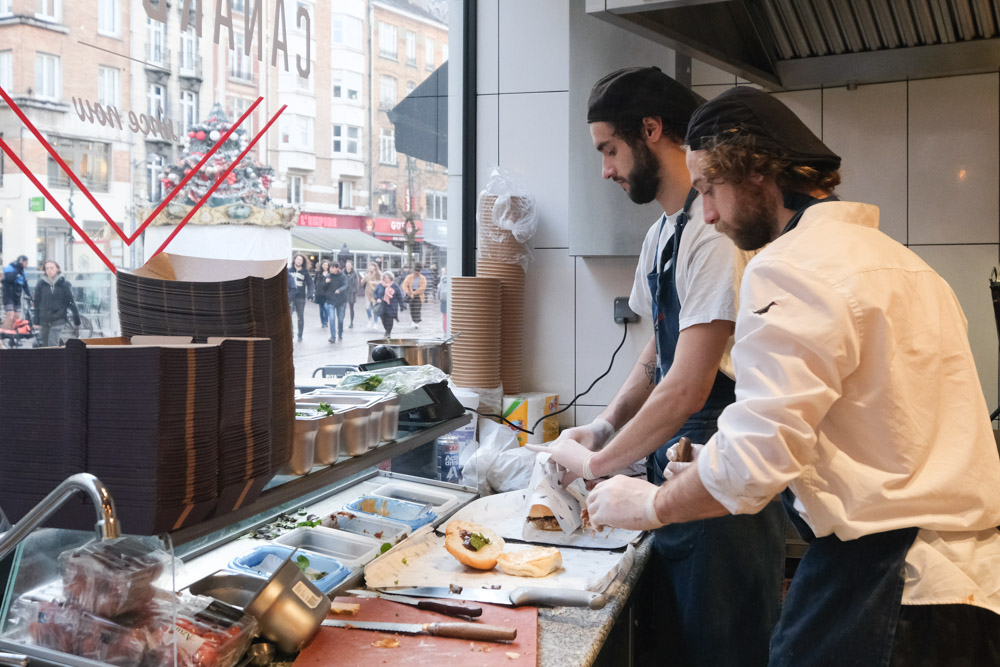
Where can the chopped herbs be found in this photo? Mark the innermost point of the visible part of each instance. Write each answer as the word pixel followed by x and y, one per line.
pixel 404 561
pixel 309 524
pixel 385 547
pixel 370 384
pixel 474 541
pixel 325 408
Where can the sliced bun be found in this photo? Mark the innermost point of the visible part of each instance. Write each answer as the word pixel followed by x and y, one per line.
pixel 454 542
pixel 531 562
pixel 542 518
pixel 539 512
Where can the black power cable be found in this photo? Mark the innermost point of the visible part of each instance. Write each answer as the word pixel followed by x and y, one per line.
pixel 571 403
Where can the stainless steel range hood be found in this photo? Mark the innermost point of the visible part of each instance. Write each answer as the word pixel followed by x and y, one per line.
pixel 795 44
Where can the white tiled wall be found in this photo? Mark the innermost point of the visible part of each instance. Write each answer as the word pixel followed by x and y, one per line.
pixel 926 152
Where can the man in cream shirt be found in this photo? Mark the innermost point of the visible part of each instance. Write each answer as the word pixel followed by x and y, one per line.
pixel 857 398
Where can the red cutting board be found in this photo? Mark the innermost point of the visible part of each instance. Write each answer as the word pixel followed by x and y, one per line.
pixel 342 646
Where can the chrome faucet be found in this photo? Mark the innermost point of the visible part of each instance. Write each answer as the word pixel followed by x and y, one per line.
pixel 107 521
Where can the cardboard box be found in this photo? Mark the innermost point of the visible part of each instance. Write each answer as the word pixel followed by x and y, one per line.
pixel 527 408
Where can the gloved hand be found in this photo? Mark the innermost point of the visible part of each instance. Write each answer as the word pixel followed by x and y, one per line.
pixel 593 436
pixel 570 454
pixel 674 467
pixel 624 502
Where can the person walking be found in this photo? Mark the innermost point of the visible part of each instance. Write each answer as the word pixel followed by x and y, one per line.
pixel 320 298
pixel 373 276
pixel 53 300
pixel 414 287
pixel 14 284
pixel 299 272
pixel 335 292
pixel 388 296
pixel 443 290
pixel 352 289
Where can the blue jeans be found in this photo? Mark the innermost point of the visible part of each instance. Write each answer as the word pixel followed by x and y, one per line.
pixel 335 315
pixel 322 314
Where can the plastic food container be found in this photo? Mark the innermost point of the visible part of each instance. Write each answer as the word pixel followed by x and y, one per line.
pixel 206 632
pixel 351 550
pixel 412 514
pixel 379 528
pixel 334 569
pixel 440 501
pixel 327 448
pixel 386 406
pixel 111 577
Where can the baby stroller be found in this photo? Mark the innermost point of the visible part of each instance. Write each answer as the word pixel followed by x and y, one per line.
pixel 23 332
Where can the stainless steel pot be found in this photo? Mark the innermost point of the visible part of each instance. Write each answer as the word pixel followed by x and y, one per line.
pixel 416 351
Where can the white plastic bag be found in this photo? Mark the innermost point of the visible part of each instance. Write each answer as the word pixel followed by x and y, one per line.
pixel 498 464
pixel 507 219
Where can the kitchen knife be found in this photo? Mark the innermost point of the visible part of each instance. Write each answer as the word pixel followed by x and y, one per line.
pixel 428 605
pixel 473 631
pixel 524 595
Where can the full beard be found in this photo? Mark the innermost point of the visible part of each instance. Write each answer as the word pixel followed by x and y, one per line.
pixel 644 179
pixel 755 221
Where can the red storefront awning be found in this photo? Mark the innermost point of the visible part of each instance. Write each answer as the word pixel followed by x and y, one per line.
pixel 393 229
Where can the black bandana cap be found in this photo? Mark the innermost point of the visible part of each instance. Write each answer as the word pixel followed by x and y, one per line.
pixel 639 92
pixel 753 112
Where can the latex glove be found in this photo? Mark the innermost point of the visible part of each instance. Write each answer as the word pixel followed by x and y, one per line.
pixel 593 436
pixel 624 502
pixel 674 467
pixel 569 454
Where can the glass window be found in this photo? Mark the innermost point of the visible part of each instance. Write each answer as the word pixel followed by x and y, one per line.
pixel 239 5
pixel 410 85
pixel 387 47
pixel 346 140
pixel 437 206
pixel 154 178
pixel 240 64
pixel 47 76
pixel 156 100
pixel 296 130
pixel 109 87
pixel 237 106
pixel 345 196
pixel 50 10
pixel 189 109
pixel 387 92
pixel 346 32
pixel 189 60
pixel 411 48
pixel 7 71
pixel 156 43
pixel 429 53
pixel 346 85
pixel 108 19
pixel 386 147
pixel 294 189
pixel 387 199
pixel 88 159
pixel 444 53
pixel 6 7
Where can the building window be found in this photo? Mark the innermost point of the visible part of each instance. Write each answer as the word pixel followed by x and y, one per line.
pixel 387 47
pixel 410 85
pixel 386 199
pixel 411 48
pixel 240 64
pixel 90 160
pixel 345 196
pixel 444 53
pixel 47 76
pixel 6 7
pixel 346 85
pixel 294 189
pixel 346 140
pixel 156 42
pixel 429 53
pixel 154 172
pixel 48 10
pixel 7 71
pixel 239 6
pixel 109 85
pixel 156 100
pixel 237 106
pixel 189 110
pixel 296 131
pixel 108 17
pixel 346 31
pixel 437 206
pixel 189 52
pixel 387 92
pixel 386 147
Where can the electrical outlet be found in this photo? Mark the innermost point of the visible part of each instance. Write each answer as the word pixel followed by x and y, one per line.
pixel 623 313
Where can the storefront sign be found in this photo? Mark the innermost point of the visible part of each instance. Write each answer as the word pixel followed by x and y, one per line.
pixel 391 228
pixel 331 221
pixel 36 204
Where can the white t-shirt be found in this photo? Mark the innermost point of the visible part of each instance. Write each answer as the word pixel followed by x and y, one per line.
pixel 708 271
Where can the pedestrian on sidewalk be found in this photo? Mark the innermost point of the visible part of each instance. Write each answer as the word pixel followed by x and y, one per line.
pixel 335 290
pixel 388 296
pixel 321 274
pixel 352 288
pixel 53 300
pixel 414 286
pixel 299 272
pixel 373 276
pixel 443 290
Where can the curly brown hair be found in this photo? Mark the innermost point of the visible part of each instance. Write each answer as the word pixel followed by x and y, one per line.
pixel 734 156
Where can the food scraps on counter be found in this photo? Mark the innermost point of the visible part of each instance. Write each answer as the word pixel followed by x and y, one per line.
pixel 344 608
pixel 386 642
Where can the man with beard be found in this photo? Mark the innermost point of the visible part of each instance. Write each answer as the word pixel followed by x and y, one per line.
pixel 706 574
pixel 858 400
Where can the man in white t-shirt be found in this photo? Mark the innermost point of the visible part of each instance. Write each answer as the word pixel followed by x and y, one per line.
pixel 717 582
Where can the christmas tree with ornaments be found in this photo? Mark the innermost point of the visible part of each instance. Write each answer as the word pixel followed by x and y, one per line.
pixel 246 186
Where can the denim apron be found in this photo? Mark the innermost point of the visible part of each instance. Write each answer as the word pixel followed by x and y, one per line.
pixel 717 582
pixel 844 602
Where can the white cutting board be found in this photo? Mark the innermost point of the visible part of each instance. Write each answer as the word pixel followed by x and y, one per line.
pixel 504 515
pixel 428 563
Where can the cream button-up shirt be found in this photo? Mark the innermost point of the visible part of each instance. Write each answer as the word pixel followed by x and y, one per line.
pixel 856 387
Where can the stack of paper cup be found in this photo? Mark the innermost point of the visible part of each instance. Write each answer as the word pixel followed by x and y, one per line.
pixel 502 257
pixel 475 312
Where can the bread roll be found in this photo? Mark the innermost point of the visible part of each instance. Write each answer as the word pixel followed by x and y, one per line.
pixel 531 562
pixel 542 518
pixel 459 543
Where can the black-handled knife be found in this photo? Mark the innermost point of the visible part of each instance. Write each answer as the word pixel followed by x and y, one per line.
pixel 440 606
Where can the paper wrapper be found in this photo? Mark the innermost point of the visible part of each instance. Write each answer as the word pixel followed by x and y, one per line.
pixel 546 489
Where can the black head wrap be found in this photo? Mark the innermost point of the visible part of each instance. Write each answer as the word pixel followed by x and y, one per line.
pixel 639 92
pixel 749 111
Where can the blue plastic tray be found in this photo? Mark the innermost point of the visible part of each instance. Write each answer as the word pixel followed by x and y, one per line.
pixel 398 510
pixel 336 571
